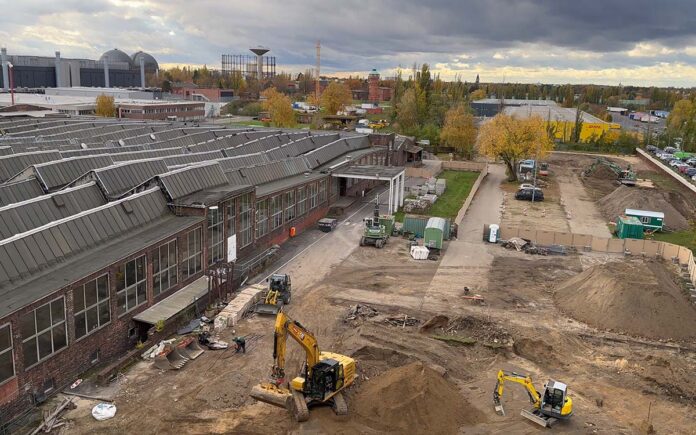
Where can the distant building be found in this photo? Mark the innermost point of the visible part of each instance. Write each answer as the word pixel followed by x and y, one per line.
pixel 562 120
pixel 162 110
pixel 190 91
pixel 492 106
pixel 638 102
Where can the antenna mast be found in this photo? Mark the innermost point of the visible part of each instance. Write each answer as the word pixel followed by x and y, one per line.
pixel 318 86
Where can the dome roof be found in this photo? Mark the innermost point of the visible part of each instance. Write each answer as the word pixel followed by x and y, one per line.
pixel 116 55
pixel 150 62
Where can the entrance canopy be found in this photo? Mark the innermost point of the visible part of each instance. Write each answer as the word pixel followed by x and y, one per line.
pixel 396 175
pixel 176 303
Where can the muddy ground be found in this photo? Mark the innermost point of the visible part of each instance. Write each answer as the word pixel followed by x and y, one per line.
pixel 615 380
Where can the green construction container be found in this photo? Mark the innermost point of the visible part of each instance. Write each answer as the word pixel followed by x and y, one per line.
pixel 388 222
pixel 415 224
pixel 629 227
pixel 434 233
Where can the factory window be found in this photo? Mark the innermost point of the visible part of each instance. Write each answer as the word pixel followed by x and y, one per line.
pixel 245 222
pixel 91 306
pixel 6 353
pixel 130 284
pixel 322 191
pixel 301 200
pixel 289 206
pixel 231 222
pixel 164 269
pixel 216 237
pixel 276 211
pixel 313 194
pixel 261 218
pixel 43 331
pixel 191 264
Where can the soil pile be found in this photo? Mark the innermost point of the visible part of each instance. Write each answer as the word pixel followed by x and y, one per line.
pixel 413 398
pixel 604 173
pixel 616 203
pixel 635 298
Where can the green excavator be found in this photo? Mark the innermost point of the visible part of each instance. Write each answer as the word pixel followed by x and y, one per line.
pixel 624 176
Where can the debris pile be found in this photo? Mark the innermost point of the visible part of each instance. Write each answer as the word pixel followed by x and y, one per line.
pixel 401 321
pixel 636 298
pixel 677 211
pixel 528 247
pixel 360 312
pixel 52 420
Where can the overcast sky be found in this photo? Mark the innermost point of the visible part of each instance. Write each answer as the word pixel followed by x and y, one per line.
pixel 552 41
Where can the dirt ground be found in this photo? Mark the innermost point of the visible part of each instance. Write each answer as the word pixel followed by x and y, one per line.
pixel 436 379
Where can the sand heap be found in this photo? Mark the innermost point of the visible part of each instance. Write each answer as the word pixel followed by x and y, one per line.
pixel 616 203
pixel 413 398
pixel 635 298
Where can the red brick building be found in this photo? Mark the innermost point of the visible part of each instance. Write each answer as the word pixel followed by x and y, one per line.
pixel 162 110
pixel 190 91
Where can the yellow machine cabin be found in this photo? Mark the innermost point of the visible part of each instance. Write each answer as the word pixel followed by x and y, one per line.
pixel 323 377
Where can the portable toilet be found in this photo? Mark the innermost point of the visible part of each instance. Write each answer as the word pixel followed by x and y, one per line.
pixel 651 220
pixel 493 234
pixel 434 233
pixel 629 227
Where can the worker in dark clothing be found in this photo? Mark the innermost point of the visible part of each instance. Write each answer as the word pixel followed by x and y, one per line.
pixel 241 344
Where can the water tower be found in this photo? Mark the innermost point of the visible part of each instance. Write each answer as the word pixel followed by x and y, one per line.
pixel 259 52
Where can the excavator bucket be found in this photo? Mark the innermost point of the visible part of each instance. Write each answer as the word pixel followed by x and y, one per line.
pixel 170 359
pixel 270 309
pixel 192 349
pixel 269 393
pixel 538 418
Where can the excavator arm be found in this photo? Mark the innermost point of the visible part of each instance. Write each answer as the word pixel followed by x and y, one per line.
pixel 526 381
pixel 285 326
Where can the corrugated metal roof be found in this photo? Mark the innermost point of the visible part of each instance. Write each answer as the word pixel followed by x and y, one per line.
pixel 186 159
pixel 139 155
pixel 33 213
pixel 105 150
pixel 182 182
pixel 6 150
pixel 29 252
pixel 231 163
pixel 259 174
pixel 20 191
pixel 13 164
pixel 437 222
pixel 118 179
pixel 56 174
pixel 332 150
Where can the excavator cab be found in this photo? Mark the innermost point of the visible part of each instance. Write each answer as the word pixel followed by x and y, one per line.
pixel 555 399
pixel 327 377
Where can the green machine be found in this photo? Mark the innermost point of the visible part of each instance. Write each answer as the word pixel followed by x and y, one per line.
pixel 377 229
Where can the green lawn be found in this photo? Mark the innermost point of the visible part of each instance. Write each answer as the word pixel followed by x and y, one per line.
pixel 459 185
pixel 686 238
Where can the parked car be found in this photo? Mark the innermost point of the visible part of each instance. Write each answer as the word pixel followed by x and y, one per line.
pixel 691 161
pixel 670 150
pixel 657 151
pixel 682 167
pixel 674 162
pixel 690 172
pixel 527 195
pixel 693 177
pixel 651 148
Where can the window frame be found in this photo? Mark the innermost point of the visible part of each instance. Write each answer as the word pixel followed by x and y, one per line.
pixel 313 196
pixel 276 211
pixel 216 236
pixel 301 201
pixel 186 270
pixel 124 290
pixel 261 218
pixel 322 191
pixel 290 201
pixel 35 336
pixel 157 254
pixel 95 305
pixel 9 350
pixel 246 223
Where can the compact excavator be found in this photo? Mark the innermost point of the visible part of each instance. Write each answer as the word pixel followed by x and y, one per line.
pixel 546 410
pixel 323 377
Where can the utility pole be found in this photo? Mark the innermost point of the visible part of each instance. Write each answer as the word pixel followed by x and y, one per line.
pixel 317 90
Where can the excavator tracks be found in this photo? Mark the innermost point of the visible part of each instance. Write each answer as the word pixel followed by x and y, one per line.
pixel 339 404
pixel 299 406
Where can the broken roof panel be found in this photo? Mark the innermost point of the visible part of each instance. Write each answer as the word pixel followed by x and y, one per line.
pixel 185 181
pixel 56 174
pixel 116 180
pixel 20 191
pixel 13 164
pixel 26 215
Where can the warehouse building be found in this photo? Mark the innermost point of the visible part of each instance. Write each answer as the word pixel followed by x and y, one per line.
pixel 562 122
pixel 489 107
pixel 92 244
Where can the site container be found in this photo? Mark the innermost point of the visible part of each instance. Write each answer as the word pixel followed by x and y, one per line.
pixel 434 233
pixel 651 220
pixel 415 224
pixel 629 227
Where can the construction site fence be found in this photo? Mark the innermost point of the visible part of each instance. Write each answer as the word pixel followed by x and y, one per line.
pixel 434 167
pixel 458 165
pixel 483 171
pixel 666 169
pixel 584 242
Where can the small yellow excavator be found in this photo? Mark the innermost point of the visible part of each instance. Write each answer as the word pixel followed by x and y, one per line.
pixel 324 374
pixel 279 294
pixel 554 405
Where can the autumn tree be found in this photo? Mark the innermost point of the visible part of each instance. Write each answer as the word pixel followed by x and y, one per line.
pixel 105 106
pixel 682 123
pixel 279 108
pixel 335 97
pixel 512 140
pixel 407 111
pixel 478 94
pixel 459 130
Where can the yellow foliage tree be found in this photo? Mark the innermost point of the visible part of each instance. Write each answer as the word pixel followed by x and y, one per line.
pixel 512 140
pixel 459 130
pixel 335 97
pixel 478 94
pixel 279 107
pixel 105 106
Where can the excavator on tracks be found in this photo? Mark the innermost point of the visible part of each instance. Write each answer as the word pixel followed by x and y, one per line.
pixel 323 378
pixel 546 410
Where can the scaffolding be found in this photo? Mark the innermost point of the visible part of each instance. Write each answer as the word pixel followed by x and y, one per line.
pixel 247 65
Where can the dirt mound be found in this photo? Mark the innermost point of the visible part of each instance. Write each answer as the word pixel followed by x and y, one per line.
pixel 616 203
pixel 631 297
pixel 438 321
pixel 537 351
pixel 603 173
pixel 411 399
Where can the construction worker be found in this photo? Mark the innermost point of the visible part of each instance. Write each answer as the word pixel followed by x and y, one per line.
pixel 240 342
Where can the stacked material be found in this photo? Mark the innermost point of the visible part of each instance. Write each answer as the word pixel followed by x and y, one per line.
pixel 419 252
pixel 236 309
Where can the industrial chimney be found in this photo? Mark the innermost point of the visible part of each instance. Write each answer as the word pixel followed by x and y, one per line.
pixel 106 71
pixel 259 52
pixel 5 70
pixel 142 72
pixel 58 83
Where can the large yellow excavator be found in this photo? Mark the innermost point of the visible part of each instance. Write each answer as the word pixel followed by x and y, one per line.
pixel 554 405
pixel 324 374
